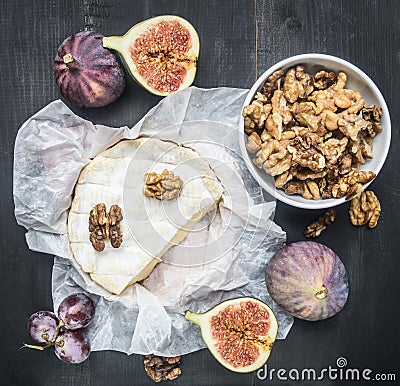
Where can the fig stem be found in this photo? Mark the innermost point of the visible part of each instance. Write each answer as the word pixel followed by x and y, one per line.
pixel 193 317
pixel 112 42
pixel 322 293
pixel 68 58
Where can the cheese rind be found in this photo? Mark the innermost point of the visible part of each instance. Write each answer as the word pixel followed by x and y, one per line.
pixel 150 227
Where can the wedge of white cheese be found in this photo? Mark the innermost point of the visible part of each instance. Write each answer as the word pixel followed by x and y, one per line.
pixel 150 227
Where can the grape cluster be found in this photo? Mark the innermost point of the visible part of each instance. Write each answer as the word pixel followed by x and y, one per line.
pixel 65 332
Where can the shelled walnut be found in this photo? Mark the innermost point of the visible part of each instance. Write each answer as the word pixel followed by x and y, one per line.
pixel 372 114
pixel 308 189
pixel 323 79
pixel 364 209
pixel 162 368
pixel 253 143
pixel 98 227
pixel 315 228
pixel 103 225
pixel 298 84
pixel 164 186
pixel 115 216
pixel 272 83
pixel 311 131
pixel 351 184
pixel 273 157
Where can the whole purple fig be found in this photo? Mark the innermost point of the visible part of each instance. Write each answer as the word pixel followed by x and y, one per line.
pixel 88 74
pixel 308 280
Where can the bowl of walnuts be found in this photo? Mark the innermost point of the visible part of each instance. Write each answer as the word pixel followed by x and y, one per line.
pixel 315 131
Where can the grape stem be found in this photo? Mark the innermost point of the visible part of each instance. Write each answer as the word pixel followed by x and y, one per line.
pixel 51 342
pixel 41 348
pixel 59 325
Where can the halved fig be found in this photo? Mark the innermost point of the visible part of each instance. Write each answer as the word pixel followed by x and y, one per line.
pixel 238 332
pixel 160 53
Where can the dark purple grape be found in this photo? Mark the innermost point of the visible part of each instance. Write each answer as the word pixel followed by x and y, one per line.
pixel 72 346
pixel 42 325
pixel 76 311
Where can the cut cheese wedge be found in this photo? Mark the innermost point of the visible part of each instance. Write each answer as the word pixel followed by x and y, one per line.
pixel 150 227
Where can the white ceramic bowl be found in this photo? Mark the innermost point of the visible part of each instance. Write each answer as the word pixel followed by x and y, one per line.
pixel 357 81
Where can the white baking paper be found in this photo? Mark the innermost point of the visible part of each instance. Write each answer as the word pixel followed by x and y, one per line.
pixel 224 258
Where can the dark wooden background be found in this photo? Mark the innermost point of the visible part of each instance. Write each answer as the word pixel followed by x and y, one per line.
pixel 239 40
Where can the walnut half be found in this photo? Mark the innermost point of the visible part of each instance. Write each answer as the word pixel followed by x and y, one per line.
pixel 115 216
pixel 103 225
pixel 352 184
pixel 364 209
pixel 316 228
pixel 164 186
pixel 98 227
pixel 162 368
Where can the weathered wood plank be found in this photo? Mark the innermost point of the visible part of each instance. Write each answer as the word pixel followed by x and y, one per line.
pixel 366 34
pixel 31 33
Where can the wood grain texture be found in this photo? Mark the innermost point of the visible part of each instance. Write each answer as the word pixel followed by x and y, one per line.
pixel 365 33
pixel 32 32
pixel 238 38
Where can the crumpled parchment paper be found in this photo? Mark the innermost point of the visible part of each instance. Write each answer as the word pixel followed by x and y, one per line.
pixel 55 144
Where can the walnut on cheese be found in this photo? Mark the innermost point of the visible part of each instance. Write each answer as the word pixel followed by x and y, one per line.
pixel 103 225
pixel 164 186
pixel 149 226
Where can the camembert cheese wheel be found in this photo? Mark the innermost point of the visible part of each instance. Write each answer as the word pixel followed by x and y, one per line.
pixel 149 226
